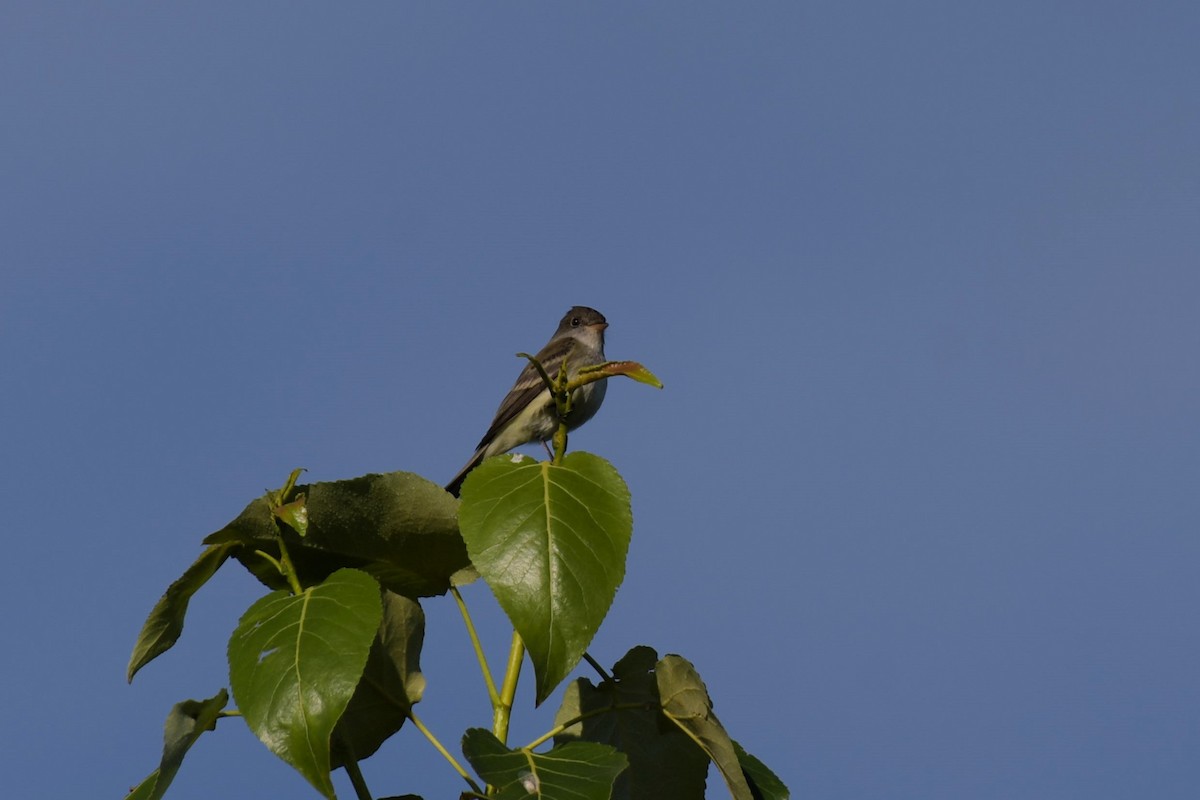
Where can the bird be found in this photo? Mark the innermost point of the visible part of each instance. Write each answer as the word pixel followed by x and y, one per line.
pixel 528 412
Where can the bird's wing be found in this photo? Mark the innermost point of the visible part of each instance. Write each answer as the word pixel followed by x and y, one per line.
pixel 528 386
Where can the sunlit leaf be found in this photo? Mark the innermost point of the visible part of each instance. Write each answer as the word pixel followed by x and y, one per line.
pixel 294 662
pixel 164 625
pixel 551 542
pixel 630 369
pixel 575 771
pixel 143 790
pixel 295 515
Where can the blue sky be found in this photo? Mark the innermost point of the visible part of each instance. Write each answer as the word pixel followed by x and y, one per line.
pixel 919 498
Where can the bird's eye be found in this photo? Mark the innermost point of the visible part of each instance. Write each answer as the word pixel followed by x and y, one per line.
pixel 575 322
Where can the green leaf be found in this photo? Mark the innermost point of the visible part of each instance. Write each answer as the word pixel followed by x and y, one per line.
pixel 255 524
pixel 398 527
pixel 164 625
pixel 294 662
pixel 142 790
pixel 254 529
pixel 294 515
pixel 764 784
pixel 664 764
pixel 575 771
pixel 185 723
pixel 551 543
pixel 685 701
pixel 390 685
pixel 630 369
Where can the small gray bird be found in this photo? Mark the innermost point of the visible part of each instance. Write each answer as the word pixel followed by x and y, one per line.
pixel 528 413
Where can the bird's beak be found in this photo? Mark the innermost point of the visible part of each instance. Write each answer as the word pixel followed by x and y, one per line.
pixel 599 326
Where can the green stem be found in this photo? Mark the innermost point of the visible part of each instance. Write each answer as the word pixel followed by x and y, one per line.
pixel 560 443
pixel 508 692
pixel 274 561
pixel 587 715
pixel 445 753
pixel 350 764
pixel 288 569
pixel 493 695
pixel 356 779
pixel 560 390
pixel 562 404
pixel 284 564
pixel 282 495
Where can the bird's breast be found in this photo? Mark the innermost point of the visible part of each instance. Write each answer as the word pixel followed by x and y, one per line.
pixel 585 402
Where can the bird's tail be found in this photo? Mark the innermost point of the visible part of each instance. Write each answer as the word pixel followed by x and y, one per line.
pixel 456 482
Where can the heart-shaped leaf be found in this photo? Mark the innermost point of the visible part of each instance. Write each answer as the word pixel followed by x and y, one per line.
pixel 294 662
pixel 625 713
pixel 550 540
pixel 575 771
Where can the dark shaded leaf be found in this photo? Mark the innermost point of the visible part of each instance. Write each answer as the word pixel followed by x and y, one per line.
pixel 294 662
pixel 574 771
pixel 764 784
pixel 685 701
pixel 185 723
pixel 551 542
pixel 664 764
pixel 164 625
pixel 390 685
pixel 255 525
pixel 399 527
pixel 254 529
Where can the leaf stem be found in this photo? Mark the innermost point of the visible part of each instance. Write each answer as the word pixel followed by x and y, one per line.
pixel 508 692
pixel 560 390
pixel 595 712
pixel 604 676
pixel 274 561
pixel 356 779
pixel 562 404
pixel 493 695
pixel 560 443
pixel 287 568
pixel 445 753
pixel 284 563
